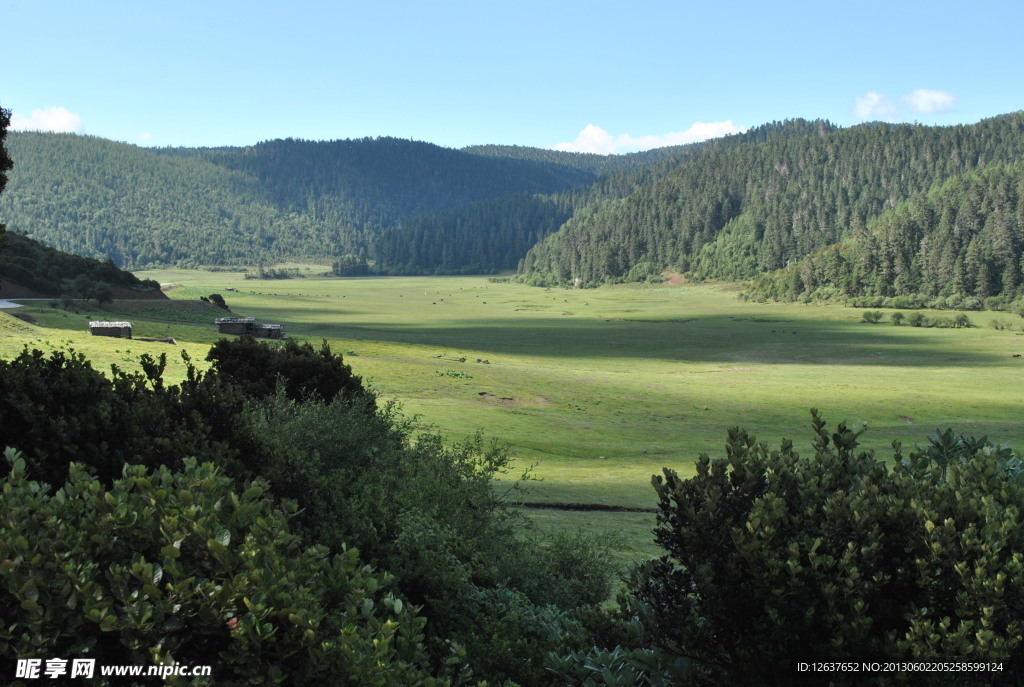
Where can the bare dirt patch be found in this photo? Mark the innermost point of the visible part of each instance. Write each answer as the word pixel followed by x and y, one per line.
pixel 511 401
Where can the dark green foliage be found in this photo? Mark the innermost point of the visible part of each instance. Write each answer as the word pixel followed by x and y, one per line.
pixel 50 272
pixel 58 409
pixel 621 668
pixel 295 416
pixel 256 368
pixel 259 204
pixel 185 567
pixel 88 289
pixel 873 316
pixel 429 514
pixel 488 236
pixel 747 206
pixel 218 300
pixel 958 246
pixel 6 164
pixel 351 266
pixel 946 449
pixel 773 558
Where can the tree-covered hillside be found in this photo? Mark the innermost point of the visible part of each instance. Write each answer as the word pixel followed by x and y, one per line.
pixel 373 183
pixel 50 272
pixel 741 210
pixel 730 208
pixel 272 201
pixel 404 206
pixel 964 238
pixel 496 234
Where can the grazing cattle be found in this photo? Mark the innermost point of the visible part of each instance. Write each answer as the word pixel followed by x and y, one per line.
pixel 1016 355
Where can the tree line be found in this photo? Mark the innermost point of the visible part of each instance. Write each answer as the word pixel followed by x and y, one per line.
pixel 739 211
pixel 277 200
pixel 963 238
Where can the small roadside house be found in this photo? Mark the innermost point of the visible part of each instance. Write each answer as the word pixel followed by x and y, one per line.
pixel 268 331
pixel 120 330
pixel 235 325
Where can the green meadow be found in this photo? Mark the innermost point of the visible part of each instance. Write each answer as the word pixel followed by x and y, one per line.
pixel 594 390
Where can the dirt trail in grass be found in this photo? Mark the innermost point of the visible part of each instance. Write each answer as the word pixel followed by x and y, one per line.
pixel 586 507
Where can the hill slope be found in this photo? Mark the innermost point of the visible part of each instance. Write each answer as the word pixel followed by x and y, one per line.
pixel 738 211
pixel 271 201
pixel 29 268
pixel 963 238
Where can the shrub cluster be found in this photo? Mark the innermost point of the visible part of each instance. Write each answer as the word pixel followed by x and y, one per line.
pixel 773 558
pixel 186 566
pixel 214 464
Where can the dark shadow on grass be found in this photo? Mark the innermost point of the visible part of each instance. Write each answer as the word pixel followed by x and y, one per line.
pixel 709 339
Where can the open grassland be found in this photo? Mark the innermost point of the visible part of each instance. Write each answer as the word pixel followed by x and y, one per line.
pixel 599 389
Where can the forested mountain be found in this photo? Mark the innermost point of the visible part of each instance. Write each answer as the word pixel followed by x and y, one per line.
pixel 737 211
pixel 375 182
pixel 103 199
pixel 272 201
pixel 964 238
pixel 495 234
pixel 733 208
pixel 405 206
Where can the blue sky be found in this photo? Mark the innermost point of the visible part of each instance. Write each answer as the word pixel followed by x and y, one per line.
pixel 580 75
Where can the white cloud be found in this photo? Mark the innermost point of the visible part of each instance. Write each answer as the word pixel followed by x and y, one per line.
pixel 873 105
pixel 923 100
pixel 594 139
pixel 876 106
pixel 56 119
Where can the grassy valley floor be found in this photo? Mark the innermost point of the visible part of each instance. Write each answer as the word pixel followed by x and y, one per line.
pixel 597 389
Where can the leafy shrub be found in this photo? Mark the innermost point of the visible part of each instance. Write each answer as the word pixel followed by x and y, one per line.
pixel 430 514
pixel 181 567
pixel 771 557
pixel 425 511
pixel 970 303
pixel 945 449
pixel 58 409
pixel 256 367
pixel 621 668
pixel 897 318
pixel 873 316
pixel 916 319
pixel 995 302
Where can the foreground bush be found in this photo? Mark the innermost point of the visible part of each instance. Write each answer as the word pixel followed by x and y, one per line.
pixel 258 368
pixel 165 567
pixel 430 514
pixel 773 558
pixel 57 409
pixel 425 511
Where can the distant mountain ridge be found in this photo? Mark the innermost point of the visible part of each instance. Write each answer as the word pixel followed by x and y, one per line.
pixel 272 201
pixel 737 212
pixel 729 208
